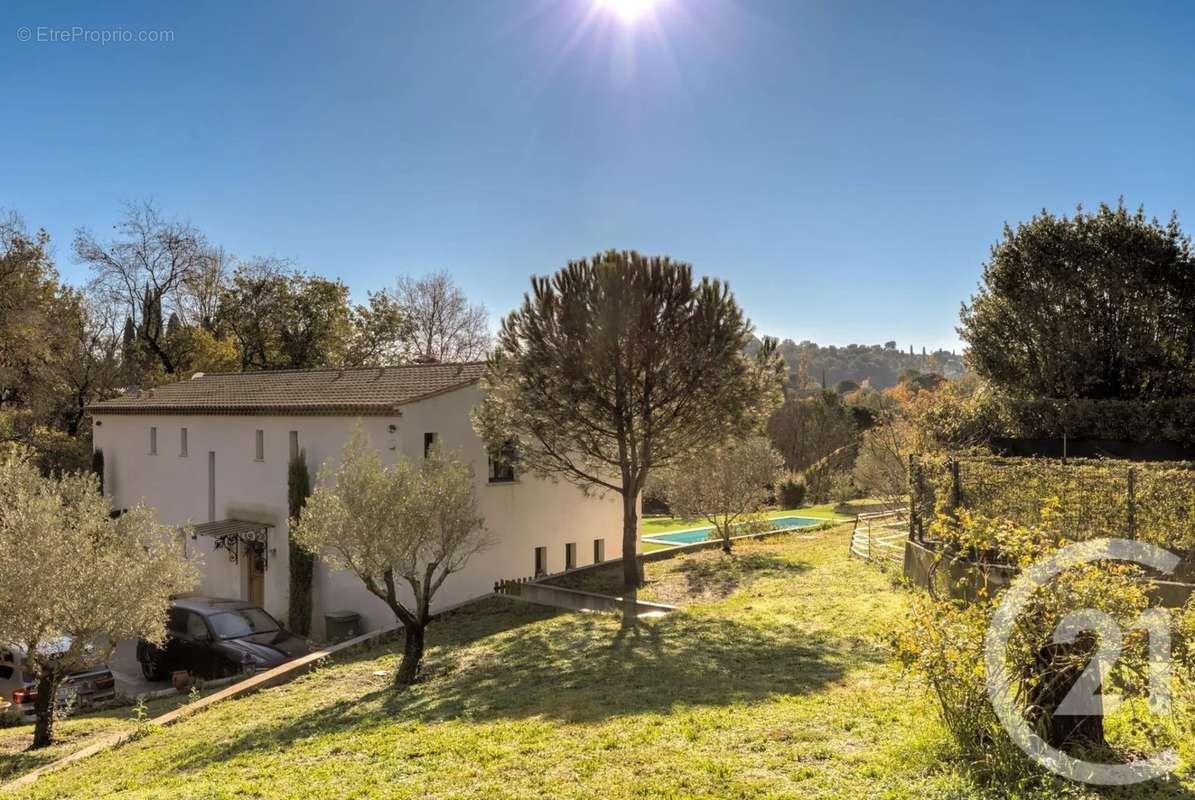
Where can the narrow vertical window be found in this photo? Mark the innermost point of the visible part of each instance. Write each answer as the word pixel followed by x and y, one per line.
pixel 294 445
pixel 182 442
pixel 429 442
pixel 599 550
pixel 259 445
pixel 541 561
pixel 570 555
pixel 153 441
pixel 211 487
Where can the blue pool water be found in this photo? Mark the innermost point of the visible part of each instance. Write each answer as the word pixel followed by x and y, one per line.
pixel 701 534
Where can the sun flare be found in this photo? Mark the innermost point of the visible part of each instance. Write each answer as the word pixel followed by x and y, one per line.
pixel 628 11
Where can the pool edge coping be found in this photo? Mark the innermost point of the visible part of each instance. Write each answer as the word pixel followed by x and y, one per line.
pixel 651 537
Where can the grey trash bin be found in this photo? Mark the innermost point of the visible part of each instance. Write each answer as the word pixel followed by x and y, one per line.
pixel 341 625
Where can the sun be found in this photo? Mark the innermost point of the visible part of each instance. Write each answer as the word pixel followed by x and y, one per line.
pixel 628 11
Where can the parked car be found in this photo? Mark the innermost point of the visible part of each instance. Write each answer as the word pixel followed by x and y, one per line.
pixel 215 638
pixel 79 690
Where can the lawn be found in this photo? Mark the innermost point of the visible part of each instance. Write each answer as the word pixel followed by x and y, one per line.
pixel 73 733
pixel 774 681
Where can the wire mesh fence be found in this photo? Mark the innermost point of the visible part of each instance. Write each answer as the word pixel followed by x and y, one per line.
pixel 1154 502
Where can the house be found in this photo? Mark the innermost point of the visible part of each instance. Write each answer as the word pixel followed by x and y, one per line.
pixel 213 451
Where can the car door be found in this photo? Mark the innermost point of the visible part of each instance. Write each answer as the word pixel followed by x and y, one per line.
pixel 187 645
pixel 197 645
pixel 174 650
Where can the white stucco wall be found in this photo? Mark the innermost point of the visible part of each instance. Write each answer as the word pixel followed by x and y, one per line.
pixel 520 516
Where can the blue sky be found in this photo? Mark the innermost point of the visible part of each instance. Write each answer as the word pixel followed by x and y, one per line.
pixel 846 166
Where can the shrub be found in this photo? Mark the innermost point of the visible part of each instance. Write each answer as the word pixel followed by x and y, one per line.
pixel 655 498
pixel 942 642
pixel 842 488
pixel 791 492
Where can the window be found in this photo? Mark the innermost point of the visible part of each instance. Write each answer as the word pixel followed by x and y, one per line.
pixel 294 445
pixel 196 628
pixel 599 550
pixel 541 561
pixel 429 441
pixel 259 446
pixel 176 620
pixel 182 442
pixel 502 468
pixel 153 441
pixel 211 487
pixel 570 555
pixel 242 622
pixel 8 664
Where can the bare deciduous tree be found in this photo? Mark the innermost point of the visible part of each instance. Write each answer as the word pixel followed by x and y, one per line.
pixel 203 288
pixel 881 468
pixel 443 324
pixel 147 271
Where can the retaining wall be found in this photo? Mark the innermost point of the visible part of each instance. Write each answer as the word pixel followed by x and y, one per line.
pixel 967 578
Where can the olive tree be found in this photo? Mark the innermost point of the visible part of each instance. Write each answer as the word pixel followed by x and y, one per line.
pixel 402 529
pixel 726 486
pixel 74 580
pixel 618 365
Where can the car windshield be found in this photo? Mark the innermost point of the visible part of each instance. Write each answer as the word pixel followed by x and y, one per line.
pixel 242 622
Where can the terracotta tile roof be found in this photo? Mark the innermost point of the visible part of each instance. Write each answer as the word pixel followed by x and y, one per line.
pixel 340 392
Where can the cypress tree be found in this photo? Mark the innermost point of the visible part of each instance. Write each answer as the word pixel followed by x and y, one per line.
pixel 302 560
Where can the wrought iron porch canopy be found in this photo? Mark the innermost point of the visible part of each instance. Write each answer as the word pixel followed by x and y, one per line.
pixel 228 533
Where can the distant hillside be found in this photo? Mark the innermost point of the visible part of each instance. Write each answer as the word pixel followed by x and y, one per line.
pixel 882 365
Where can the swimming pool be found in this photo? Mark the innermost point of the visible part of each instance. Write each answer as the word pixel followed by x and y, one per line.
pixel 701 534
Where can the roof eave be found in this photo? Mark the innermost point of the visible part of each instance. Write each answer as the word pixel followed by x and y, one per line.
pixel 265 410
pixel 388 410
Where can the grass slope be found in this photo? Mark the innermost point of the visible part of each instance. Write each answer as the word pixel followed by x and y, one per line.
pixel 71 734
pixel 774 681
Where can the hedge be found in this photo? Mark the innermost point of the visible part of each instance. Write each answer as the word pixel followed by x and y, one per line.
pixel 982 418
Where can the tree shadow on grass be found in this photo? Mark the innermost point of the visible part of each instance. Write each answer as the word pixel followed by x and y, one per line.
pixel 718 577
pixel 701 577
pixel 580 668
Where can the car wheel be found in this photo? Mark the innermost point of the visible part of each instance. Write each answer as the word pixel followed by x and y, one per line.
pixel 151 667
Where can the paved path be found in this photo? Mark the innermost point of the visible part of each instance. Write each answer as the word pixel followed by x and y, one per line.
pixel 124 666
